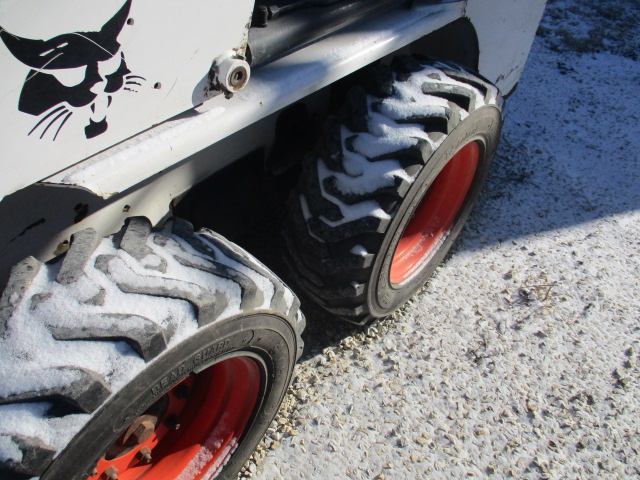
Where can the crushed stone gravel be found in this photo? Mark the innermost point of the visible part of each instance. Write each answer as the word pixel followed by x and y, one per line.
pixel 521 357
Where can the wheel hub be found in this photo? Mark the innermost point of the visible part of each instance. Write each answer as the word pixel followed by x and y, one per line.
pixel 191 431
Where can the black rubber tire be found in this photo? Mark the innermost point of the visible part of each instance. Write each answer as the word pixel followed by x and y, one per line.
pixel 145 310
pixel 358 190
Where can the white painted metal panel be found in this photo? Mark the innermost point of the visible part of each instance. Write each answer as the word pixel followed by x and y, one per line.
pixel 506 29
pixel 79 76
pixel 271 88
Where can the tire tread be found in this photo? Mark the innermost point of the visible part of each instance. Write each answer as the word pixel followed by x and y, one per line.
pixel 323 226
pixel 160 268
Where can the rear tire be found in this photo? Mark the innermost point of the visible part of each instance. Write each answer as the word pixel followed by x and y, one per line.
pixel 151 355
pixel 390 184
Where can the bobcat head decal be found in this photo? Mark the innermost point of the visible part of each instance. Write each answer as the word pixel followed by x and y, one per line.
pixel 73 71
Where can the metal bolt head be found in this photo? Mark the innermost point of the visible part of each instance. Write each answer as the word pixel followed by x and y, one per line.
pixel 111 473
pixel 140 430
pixel 143 432
pixel 145 454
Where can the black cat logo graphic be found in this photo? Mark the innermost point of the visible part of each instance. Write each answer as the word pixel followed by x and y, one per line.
pixel 73 71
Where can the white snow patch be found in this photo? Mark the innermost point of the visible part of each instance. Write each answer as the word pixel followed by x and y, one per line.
pixel 263 283
pixel 367 208
pixel 350 213
pixel 9 451
pixel 225 455
pixel 371 177
pixel 386 139
pixel 288 298
pixel 196 465
pixel 410 102
pixel 359 250
pixel 212 446
pixel 33 378
pixel 103 164
pixel 30 420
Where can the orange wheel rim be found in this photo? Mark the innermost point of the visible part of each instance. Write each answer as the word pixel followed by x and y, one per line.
pixel 435 215
pixel 192 431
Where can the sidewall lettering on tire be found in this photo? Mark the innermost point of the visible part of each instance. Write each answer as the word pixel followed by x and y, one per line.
pixel 267 339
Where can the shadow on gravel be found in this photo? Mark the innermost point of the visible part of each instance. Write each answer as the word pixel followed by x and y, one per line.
pixel 528 193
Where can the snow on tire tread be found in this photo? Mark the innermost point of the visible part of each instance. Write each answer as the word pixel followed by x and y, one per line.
pixel 365 162
pixel 76 331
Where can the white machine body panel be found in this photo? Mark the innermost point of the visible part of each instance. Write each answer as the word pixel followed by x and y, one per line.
pixel 506 29
pixel 156 145
pixel 79 76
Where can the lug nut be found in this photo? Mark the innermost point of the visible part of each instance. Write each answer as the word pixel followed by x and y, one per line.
pixel 145 454
pixel 143 432
pixel 111 473
pixel 173 422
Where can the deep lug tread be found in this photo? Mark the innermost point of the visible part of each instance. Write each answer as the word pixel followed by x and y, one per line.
pixel 116 270
pixel 488 91
pixel 336 265
pixel 36 455
pixel 21 277
pixel 349 313
pixel 306 239
pixel 208 305
pixel 147 338
pixel 318 267
pixel 293 311
pixel 311 274
pixel 345 294
pixel 464 98
pixel 84 392
pixel 83 244
pixel 317 202
pixel 300 324
pixel 395 190
pixel 409 157
pixel 134 242
pixel 251 294
pixel 328 298
pixel 437 123
pixel 278 302
pixel 320 244
pixel 184 230
pixel 233 252
pixel 330 150
pixel 323 274
pixel 347 230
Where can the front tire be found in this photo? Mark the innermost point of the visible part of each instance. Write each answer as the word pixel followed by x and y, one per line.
pixel 390 184
pixel 147 355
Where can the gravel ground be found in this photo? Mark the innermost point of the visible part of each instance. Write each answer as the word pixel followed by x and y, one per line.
pixel 521 358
